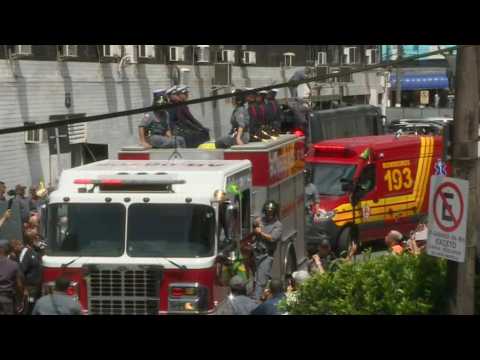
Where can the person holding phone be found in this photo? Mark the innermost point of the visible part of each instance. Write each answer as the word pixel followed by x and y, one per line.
pixel 3 190
pixel 6 215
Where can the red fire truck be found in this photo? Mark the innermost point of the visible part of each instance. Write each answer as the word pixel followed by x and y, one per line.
pixel 371 185
pixel 144 234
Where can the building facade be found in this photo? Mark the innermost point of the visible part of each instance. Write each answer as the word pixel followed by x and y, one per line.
pixel 41 83
pixel 426 82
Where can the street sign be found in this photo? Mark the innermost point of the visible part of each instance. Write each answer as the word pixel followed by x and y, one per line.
pixel 424 97
pixel 447 218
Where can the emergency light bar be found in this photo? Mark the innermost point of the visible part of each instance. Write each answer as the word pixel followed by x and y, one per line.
pixel 120 182
pixel 333 150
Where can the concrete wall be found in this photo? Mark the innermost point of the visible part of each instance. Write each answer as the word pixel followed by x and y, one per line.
pixel 34 90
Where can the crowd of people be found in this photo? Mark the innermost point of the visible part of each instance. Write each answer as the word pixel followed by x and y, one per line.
pixel 253 114
pixel 21 256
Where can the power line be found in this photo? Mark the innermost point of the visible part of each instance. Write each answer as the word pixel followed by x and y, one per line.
pixel 321 78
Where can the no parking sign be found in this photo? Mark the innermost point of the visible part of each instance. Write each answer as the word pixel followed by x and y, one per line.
pixel 447 218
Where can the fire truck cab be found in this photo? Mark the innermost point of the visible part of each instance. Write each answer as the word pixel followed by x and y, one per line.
pixel 370 185
pixel 144 236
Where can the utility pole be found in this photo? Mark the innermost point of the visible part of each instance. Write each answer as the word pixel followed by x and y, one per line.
pixel 398 91
pixel 466 166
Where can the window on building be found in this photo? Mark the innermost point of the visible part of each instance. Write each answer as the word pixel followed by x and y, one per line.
pixel 68 50
pixel 22 50
pixel 288 59
pixel 371 56
pixel 112 51
pixel 321 58
pixel 249 58
pixel 202 54
pixel 349 55
pixel 176 53
pixel 226 56
pixel 146 51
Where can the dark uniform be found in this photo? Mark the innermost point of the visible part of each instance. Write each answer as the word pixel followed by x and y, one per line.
pixel 264 253
pixel 157 124
pixel 191 129
pixel 31 267
pixel 273 114
pixel 9 272
pixel 240 119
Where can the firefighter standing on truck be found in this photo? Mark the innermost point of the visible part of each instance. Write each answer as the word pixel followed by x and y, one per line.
pixel 267 231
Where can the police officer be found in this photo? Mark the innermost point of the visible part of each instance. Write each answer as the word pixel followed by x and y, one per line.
pixel 155 129
pixel 272 110
pixel 268 231
pixel 11 281
pixel 254 113
pixel 195 132
pixel 261 108
pixel 240 120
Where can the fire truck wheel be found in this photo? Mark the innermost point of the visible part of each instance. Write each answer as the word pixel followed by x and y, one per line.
pixel 344 240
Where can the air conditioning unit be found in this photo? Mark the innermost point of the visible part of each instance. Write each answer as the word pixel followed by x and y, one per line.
pixel 223 74
pixel 112 51
pixel 202 54
pixel 132 52
pixel 146 51
pixel 228 56
pixel 65 51
pixel 322 71
pixel 249 58
pixel 321 58
pixel 77 133
pixel 21 50
pixel 33 136
pixel 176 53
pixel 334 71
pixel 346 77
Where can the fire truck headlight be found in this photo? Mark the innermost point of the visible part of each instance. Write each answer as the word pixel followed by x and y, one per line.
pixel 323 215
pixel 187 298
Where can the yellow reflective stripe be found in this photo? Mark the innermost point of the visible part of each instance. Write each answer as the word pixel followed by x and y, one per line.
pixel 429 158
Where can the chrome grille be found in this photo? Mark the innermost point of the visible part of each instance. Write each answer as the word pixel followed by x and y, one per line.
pixel 123 291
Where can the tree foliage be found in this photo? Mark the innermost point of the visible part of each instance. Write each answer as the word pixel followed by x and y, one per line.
pixel 384 285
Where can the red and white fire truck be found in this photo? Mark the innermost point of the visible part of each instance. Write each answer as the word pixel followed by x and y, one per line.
pixel 143 234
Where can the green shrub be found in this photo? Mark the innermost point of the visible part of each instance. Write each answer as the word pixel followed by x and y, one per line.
pixel 378 285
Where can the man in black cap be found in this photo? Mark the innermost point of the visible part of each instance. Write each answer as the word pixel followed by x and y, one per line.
pixel 11 284
pixel 192 130
pixel 155 129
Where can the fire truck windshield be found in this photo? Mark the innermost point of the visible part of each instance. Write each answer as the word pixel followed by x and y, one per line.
pixel 326 177
pixel 86 229
pixel 170 230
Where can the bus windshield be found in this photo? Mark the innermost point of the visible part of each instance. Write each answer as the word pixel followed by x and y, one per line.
pixel 326 177
pixel 86 229
pixel 171 230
